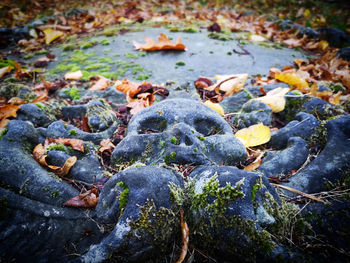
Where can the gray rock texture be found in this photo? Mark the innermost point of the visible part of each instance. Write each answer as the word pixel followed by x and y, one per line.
pixel 179 131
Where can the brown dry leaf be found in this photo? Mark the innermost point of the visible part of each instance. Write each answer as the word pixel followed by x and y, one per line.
pixel 76 75
pixel 136 106
pixel 88 199
pixel 230 84
pixel 163 44
pixel 16 101
pixel 293 42
pixel 5 70
pixel 101 84
pixel 106 145
pixel 76 144
pixel 273 72
pixel 62 172
pixel 8 111
pixel 127 87
pixel 40 156
pixel 41 98
pixel 298 192
pixel 256 164
pixel 185 233
pixel 4 122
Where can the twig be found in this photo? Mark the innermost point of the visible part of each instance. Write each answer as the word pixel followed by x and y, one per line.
pixel 59 27
pixel 298 192
pixel 245 52
pixel 185 238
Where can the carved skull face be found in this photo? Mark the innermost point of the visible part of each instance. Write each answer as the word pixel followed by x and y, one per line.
pixel 179 131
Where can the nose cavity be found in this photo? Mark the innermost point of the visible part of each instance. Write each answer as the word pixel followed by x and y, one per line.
pixel 183 134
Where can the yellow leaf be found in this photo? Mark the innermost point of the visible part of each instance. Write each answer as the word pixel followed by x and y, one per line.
pixel 76 75
pixel 5 70
pixel 293 79
pixel 254 135
pixel 231 84
pixel 256 38
pixel 215 106
pixel 275 99
pixel 306 13
pixel 323 44
pixel 51 35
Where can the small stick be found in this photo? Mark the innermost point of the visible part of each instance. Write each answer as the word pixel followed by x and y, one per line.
pixel 298 192
pixel 245 52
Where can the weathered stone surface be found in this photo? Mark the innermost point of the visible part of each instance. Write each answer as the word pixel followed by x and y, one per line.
pixel 59 129
pixel 100 115
pixel 336 37
pixel 282 162
pixel 304 126
pixel 179 131
pixel 248 206
pixel 33 113
pixel 254 112
pixel 329 164
pixel 144 183
pixel 235 102
pixel 86 169
pixel 344 53
pixel 74 111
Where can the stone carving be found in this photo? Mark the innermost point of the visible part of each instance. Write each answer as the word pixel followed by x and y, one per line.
pixel 179 131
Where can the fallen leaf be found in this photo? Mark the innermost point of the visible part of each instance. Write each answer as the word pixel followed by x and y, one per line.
pixel 163 44
pixel 127 87
pixel 185 233
pixel 275 99
pixel 106 145
pixel 254 135
pixel 231 84
pixel 51 35
pixel 101 84
pixel 5 70
pixel 215 106
pixel 88 199
pixel 293 79
pixel 4 122
pixel 16 101
pixel 76 75
pixel 62 172
pixel 256 164
pixel 8 111
pixel 40 156
pixel 76 144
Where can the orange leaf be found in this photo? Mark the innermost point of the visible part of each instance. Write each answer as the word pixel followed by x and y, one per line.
pixel 106 145
pixel 66 167
pixel 101 84
pixel 88 199
pixel 163 44
pixel 4 122
pixel 76 144
pixel 127 87
pixel 8 111
pixel 256 164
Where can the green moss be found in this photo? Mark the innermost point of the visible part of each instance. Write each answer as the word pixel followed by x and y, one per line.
pixel 73 93
pixel 124 195
pixel 88 44
pixel 173 156
pixel 195 149
pixel 73 132
pixel 174 29
pixel 180 63
pixel 131 55
pixel 166 159
pixel 159 224
pixel 45 189
pixel 96 66
pixel 3 132
pixel 174 140
pixel 39 105
pixel 57 147
pixel 28 56
pixel 69 47
pixel 105 42
pixel 105 60
pixel 41 52
pixel 55 193
pixel 189 29
pixel 202 138
pixel 220 36
pixel 319 137
pixel 162 143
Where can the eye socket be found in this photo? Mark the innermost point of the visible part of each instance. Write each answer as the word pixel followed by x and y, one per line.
pixel 207 127
pixel 152 125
